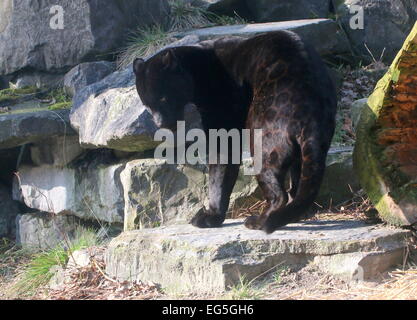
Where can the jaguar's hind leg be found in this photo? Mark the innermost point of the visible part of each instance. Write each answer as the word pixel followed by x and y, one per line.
pixel 271 180
pixel 295 174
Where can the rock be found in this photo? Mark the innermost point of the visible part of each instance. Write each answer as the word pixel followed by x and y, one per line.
pixel 58 151
pixel 79 258
pixel 322 33
pixel 31 36
pixel 85 74
pixel 110 114
pixel 386 139
pixel 340 181
pixel 386 25
pixel 183 258
pixel 59 278
pixel 9 209
pixel 38 80
pixel 272 10
pixel 44 231
pixel 159 193
pixel 20 129
pixel 360 265
pixel 356 110
pixel 4 83
pixel 282 10
pixel 230 8
pixel 91 191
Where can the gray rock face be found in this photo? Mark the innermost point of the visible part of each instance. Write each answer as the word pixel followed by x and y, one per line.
pixel 43 231
pixel 271 10
pixel 4 83
pixel 356 110
pixel 386 25
pixel 91 192
pixel 159 193
pixel 19 129
pixel 85 74
pixel 183 258
pixel 283 10
pixel 340 181
pixel 9 209
pixel 89 29
pixel 58 151
pixel 110 114
pixel 38 79
pixel 323 34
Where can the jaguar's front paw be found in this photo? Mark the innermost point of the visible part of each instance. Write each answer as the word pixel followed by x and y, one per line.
pixel 204 219
pixel 254 223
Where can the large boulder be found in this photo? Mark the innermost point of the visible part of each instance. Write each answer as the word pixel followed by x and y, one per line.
pixel 323 34
pixel 271 10
pixel 29 127
pixel 385 156
pixel 184 259
pixel 89 29
pixel 157 193
pixel 110 114
pixel 284 10
pixel 340 181
pixel 58 151
pixel 88 189
pixel 42 230
pixel 85 74
pixel 386 26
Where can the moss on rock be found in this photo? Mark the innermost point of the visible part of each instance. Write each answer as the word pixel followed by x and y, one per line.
pixel 385 156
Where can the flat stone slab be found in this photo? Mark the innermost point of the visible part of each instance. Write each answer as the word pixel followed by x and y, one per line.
pixel 324 34
pixel 182 258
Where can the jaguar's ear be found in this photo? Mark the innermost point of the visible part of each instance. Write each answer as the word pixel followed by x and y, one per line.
pixel 138 65
pixel 170 60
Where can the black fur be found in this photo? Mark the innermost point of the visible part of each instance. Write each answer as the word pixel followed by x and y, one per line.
pixel 274 82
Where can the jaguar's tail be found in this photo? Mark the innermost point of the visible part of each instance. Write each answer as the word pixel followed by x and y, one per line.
pixel 312 172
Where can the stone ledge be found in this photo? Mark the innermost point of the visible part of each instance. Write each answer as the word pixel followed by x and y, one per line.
pixel 186 259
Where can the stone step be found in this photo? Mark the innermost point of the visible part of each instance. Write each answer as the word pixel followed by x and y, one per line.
pixel 182 258
pixel 324 34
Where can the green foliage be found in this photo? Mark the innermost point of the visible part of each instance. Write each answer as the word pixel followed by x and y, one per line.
pixel 184 16
pixel 227 20
pixel 143 43
pixel 244 291
pixel 187 15
pixel 58 95
pixel 277 276
pixel 84 238
pixel 14 94
pixel 38 271
pixel 60 106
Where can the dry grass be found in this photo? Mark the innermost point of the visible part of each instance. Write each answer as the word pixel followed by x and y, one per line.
pixel 399 285
pixel 91 283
